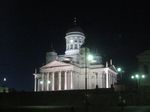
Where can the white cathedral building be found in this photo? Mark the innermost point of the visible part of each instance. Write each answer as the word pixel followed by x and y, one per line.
pixel 76 69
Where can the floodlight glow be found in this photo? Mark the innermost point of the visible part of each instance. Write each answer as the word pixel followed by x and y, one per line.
pixel 71 41
pixel 132 77
pixel 137 76
pixel 4 79
pixel 90 57
pixel 94 61
pixel 41 82
pixel 48 82
pixel 143 76
pixel 119 69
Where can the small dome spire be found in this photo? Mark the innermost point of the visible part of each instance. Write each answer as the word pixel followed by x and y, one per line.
pixel 51 48
pixel 75 27
pixel 75 21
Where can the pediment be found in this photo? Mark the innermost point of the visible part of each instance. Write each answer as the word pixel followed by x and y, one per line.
pixel 55 64
pixel 113 68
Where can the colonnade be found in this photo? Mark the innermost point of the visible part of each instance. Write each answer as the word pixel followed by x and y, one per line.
pixel 67 80
pixel 52 81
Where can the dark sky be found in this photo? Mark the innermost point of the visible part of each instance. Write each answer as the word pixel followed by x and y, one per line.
pixel 117 30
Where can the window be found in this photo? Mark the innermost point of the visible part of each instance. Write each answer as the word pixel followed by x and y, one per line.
pixel 71 47
pixel 76 47
pixel 71 41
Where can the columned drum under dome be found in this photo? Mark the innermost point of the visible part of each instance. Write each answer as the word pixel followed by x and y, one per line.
pixel 74 40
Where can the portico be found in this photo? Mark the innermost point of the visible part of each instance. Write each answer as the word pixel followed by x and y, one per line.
pixel 54 78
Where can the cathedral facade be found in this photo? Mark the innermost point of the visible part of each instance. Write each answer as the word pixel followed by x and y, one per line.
pixel 76 69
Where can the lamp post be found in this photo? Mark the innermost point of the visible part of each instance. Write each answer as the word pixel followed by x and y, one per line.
pixel 88 58
pixel 119 69
pixel 138 78
pixel 4 82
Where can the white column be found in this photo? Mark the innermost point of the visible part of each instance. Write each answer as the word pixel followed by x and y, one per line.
pixel 53 83
pixel 59 88
pixel 71 81
pixel 35 83
pixel 65 84
pixel 38 83
pixel 107 81
pixel 42 82
pixel 97 79
pixel 47 81
pixel 78 81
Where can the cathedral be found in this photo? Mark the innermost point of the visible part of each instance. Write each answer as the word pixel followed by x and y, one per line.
pixel 76 69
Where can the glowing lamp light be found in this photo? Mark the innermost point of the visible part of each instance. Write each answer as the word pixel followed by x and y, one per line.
pixel 132 77
pixel 4 79
pixel 41 82
pixel 143 76
pixel 90 57
pixel 119 69
pixel 48 82
pixel 71 41
pixel 137 76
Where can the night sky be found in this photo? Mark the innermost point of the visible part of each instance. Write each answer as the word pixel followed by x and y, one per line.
pixel 117 30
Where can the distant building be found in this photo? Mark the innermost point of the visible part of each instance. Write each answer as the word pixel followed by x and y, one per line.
pixel 4 89
pixel 144 66
pixel 72 70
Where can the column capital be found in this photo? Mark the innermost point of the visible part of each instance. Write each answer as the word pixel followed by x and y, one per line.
pixel 35 76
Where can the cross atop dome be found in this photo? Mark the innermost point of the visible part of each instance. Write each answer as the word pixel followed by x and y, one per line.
pixel 75 21
pixel 75 27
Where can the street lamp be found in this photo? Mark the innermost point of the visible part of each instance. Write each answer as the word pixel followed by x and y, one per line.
pixel 41 82
pixel 4 79
pixel 4 82
pixel 132 77
pixel 48 81
pixel 88 58
pixel 143 76
pixel 119 69
pixel 138 78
